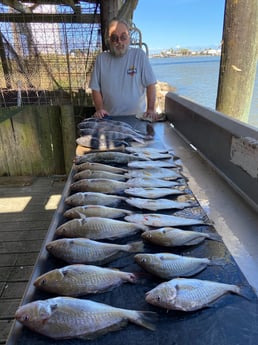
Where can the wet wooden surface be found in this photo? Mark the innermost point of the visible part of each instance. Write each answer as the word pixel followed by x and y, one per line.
pixel 27 206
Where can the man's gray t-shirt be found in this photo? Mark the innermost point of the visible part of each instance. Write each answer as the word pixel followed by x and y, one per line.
pixel 122 81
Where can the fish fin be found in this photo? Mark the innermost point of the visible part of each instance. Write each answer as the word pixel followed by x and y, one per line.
pixel 135 247
pixel 146 319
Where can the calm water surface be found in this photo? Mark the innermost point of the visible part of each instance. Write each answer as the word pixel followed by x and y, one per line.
pixel 197 79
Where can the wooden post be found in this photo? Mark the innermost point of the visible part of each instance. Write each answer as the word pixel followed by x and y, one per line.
pixel 238 58
pixel 108 10
pixel 69 135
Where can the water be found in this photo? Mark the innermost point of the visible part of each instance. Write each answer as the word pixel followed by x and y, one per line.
pixel 197 79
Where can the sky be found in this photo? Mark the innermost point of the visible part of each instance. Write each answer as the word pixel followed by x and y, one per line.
pixel 191 24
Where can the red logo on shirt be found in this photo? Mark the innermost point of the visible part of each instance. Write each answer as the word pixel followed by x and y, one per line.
pixel 132 70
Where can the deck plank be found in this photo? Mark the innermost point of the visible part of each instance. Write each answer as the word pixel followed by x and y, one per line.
pixel 26 211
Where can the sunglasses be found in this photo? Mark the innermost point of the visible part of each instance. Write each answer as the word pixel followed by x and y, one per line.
pixel 115 38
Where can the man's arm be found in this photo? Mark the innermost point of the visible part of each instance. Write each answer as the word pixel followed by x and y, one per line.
pixel 151 100
pixel 98 102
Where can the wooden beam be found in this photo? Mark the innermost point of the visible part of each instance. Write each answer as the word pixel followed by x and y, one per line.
pixel 238 58
pixel 49 18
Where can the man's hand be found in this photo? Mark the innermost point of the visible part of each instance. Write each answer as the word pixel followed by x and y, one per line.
pixel 152 115
pixel 99 114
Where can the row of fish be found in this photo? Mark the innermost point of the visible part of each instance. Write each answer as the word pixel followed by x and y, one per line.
pixel 104 183
pixel 109 134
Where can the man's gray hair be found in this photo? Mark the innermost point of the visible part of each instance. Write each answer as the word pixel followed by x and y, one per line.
pixel 113 21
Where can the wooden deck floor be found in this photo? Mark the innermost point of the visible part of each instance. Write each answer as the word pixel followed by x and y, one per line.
pixel 27 206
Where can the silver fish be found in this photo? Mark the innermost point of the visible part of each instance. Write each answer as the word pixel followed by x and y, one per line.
pixel 153 156
pixel 100 143
pixel 154 173
pixel 99 185
pixel 89 122
pixel 156 204
pixel 146 182
pixel 107 157
pixel 95 128
pixel 168 266
pixel 89 174
pixel 78 280
pixel 99 228
pixel 188 294
pixel 151 193
pixel 86 251
pixel 159 220
pixel 96 211
pixel 172 237
pixel 149 164
pixel 98 166
pixel 107 138
pixel 69 317
pixel 145 150
pixel 93 198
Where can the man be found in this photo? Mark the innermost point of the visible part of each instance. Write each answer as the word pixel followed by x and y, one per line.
pixel 122 79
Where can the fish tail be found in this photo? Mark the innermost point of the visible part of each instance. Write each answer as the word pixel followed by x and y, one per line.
pixel 150 130
pixel 145 319
pixel 217 262
pixel 215 237
pixel 137 246
pixel 139 140
pixel 245 292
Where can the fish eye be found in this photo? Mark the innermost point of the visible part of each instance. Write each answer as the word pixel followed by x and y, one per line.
pixel 143 260
pixel 158 298
pixel 43 282
pixel 26 317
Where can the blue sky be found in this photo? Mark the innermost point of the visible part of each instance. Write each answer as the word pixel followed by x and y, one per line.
pixel 188 24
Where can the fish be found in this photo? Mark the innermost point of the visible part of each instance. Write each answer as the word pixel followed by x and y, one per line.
pixel 97 228
pixel 87 251
pixel 145 150
pixel 168 265
pixel 79 280
pixel 173 237
pixel 101 185
pixel 151 192
pixel 89 174
pixel 156 204
pixel 114 133
pixel 107 157
pixel 103 143
pixel 69 317
pixel 96 211
pixel 188 294
pixel 154 173
pixel 146 182
pixel 98 166
pixel 106 138
pixel 153 156
pixel 93 198
pixel 160 220
pixel 92 122
pixel 149 164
